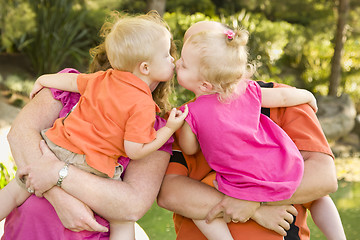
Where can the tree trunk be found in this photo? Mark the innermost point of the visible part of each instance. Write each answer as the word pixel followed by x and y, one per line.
pixel 340 37
pixel 158 5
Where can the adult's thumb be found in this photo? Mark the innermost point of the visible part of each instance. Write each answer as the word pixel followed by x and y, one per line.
pixel 44 147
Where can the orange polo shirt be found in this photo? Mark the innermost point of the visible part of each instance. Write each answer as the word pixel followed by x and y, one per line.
pixel 302 126
pixel 114 106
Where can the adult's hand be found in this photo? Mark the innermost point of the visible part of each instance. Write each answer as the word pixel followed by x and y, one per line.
pixel 42 175
pixel 233 209
pixel 74 214
pixel 276 218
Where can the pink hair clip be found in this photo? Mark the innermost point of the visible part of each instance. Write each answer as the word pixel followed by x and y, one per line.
pixel 230 34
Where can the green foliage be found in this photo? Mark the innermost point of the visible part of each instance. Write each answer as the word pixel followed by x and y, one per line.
pixel 18 83
pixel 133 6
pixel 104 4
pixel 298 54
pixel 317 59
pixel 5 175
pixel 206 7
pixel 16 22
pixel 59 35
pixel 290 43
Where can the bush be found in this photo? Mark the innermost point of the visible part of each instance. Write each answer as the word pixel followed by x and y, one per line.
pixel 5 175
pixel 60 35
pixel 17 21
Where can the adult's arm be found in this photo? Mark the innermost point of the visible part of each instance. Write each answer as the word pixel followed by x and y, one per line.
pixel 194 199
pixel 132 197
pixel 126 200
pixel 319 179
pixel 24 137
pixel 187 197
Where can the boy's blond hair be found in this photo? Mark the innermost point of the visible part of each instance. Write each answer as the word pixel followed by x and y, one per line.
pixel 223 59
pixel 131 41
pixel 100 61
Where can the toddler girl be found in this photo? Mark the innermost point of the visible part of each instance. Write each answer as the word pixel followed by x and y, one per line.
pixel 254 159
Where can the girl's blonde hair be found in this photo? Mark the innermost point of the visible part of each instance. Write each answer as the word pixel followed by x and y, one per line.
pixel 223 59
pixel 100 61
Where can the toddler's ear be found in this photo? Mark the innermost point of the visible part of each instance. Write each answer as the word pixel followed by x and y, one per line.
pixel 206 87
pixel 144 68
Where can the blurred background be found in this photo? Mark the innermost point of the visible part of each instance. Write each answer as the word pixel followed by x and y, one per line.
pixel 311 44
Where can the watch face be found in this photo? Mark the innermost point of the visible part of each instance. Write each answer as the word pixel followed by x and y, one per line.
pixel 63 172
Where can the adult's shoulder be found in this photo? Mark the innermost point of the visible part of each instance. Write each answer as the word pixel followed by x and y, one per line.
pixel 271 84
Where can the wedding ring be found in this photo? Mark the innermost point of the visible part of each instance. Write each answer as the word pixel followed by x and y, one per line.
pixel 30 190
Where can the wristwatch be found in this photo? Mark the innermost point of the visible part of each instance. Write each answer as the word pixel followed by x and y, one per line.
pixel 62 174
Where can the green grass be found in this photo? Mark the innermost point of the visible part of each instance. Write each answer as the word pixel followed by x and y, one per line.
pixel 158 224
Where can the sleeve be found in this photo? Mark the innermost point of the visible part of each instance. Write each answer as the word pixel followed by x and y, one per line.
pixel 140 125
pixel 303 127
pixel 190 118
pixel 167 147
pixel 177 165
pixel 83 80
pixel 255 88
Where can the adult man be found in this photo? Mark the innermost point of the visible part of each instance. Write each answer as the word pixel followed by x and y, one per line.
pixel 183 193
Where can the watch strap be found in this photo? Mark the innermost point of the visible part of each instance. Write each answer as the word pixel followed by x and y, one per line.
pixel 61 177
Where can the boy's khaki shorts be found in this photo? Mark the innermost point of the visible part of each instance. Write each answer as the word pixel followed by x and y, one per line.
pixel 78 160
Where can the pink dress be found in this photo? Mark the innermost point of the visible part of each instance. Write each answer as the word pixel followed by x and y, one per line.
pixel 36 219
pixel 254 159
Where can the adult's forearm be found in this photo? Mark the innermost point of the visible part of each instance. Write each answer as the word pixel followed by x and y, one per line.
pixel 193 199
pixel 126 200
pixel 319 179
pixel 132 197
pixel 24 135
pixel 187 197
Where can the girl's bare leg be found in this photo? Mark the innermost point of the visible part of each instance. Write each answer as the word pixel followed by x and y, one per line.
pixel 11 196
pixel 216 230
pixel 122 230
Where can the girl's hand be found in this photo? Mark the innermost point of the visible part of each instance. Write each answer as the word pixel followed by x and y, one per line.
pixel 313 104
pixel 177 118
pixel 36 88
pixel 42 175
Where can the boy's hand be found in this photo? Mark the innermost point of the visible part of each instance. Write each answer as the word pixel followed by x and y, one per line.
pixel 177 118
pixel 36 88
